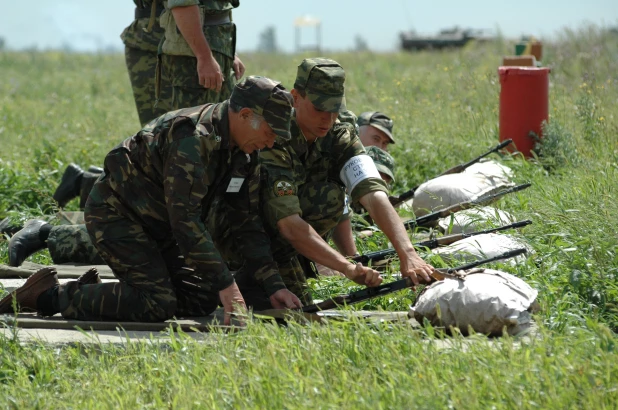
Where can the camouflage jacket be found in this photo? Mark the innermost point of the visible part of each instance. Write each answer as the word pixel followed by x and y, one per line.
pixel 135 34
pixel 221 37
pixel 289 167
pixel 170 173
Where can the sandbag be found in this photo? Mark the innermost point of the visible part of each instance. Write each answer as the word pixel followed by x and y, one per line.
pixel 475 219
pixel 490 169
pixel 483 246
pixel 485 300
pixel 447 190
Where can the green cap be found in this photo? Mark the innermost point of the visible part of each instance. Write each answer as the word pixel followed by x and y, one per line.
pixel 321 79
pixel 378 120
pixel 268 99
pixel 383 160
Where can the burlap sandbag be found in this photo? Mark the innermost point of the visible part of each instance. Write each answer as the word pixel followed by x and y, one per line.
pixel 487 301
pixel 447 190
pixel 475 219
pixel 483 246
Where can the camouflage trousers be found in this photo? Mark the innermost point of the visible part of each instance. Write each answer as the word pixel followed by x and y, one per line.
pixel 154 283
pixel 141 66
pixel 181 73
pixel 322 204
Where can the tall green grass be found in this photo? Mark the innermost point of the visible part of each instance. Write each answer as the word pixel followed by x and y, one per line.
pixel 59 108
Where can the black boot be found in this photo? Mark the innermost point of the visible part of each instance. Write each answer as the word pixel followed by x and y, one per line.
pixel 27 241
pixel 95 169
pixel 69 186
pixel 88 180
pixel 7 226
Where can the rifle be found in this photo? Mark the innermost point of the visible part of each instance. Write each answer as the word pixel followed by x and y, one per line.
pixel 434 243
pixel 434 216
pixel 370 293
pixel 397 200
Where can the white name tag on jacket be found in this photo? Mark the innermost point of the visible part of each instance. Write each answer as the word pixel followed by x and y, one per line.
pixel 235 184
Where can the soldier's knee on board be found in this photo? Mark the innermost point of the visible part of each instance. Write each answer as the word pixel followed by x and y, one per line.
pixel 162 310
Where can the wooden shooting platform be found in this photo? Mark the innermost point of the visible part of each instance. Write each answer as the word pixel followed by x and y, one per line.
pixel 60 330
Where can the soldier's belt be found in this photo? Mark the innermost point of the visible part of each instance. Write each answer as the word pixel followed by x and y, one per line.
pixel 145 12
pixel 216 19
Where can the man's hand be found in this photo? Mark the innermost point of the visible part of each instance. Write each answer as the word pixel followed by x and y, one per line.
pixel 239 68
pixel 284 299
pixel 209 72
pixel 416 269
pixel 362 275
pixel 232 301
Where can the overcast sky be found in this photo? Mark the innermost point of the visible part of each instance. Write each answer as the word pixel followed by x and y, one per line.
pixel 90 25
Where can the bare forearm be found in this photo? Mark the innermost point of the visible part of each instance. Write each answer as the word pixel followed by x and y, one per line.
pixel 188 22
pixel 343 238
pixel 309 244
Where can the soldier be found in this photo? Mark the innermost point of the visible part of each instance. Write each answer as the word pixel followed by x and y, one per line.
pixel 305 182
pixel 199 50
pixel 147 211
pixel 375 129
pixel 195 81
pixel 141 41
pixel 384 162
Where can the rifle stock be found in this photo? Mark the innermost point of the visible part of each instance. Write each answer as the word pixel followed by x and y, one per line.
pixel 370 293
pixel 434 243
pixel 409 194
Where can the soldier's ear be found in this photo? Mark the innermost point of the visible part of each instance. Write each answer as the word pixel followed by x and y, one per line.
pixel 245 113
pixel 295 95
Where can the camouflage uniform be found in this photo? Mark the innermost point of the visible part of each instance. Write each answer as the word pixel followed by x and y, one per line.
pixel 178 61
pixel 146 213
pixel 298 178
pixel 141 39
pixel 385 163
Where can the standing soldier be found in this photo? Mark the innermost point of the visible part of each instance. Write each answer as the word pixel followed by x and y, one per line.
pixel 145 215
pixel 141 41
pixel 199 50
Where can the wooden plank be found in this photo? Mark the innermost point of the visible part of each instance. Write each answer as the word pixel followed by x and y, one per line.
pixel 65 271
pixel 200 324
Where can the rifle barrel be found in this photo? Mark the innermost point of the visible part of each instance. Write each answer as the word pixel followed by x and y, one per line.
pixel 370 293
pixel 434 216
pixel 434 243
pixel 395 201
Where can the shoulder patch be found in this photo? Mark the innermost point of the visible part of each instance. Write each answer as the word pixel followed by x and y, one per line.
pixel 283 188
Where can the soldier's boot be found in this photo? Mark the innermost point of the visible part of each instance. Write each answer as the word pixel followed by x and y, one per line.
pixel 91 277
pixel 27 241
pixel 26 296
pixel 88 180
pixel 7 226
pixel 69 186
pixel 95 169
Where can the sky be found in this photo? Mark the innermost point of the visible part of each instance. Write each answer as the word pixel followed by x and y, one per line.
pixel 93 25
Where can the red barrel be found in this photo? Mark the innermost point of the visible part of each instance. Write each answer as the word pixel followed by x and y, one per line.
pixel 524 104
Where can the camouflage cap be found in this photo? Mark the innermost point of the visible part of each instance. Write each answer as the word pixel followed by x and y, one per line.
pixel 321 79
pixel 268 99
pixel 378 120
pixel 383 160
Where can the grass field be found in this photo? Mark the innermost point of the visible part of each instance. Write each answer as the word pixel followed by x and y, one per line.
pixel 59 108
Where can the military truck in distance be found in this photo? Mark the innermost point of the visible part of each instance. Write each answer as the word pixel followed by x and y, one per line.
pixel 453 37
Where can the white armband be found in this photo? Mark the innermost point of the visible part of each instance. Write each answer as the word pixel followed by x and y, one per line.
pixel 357 169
